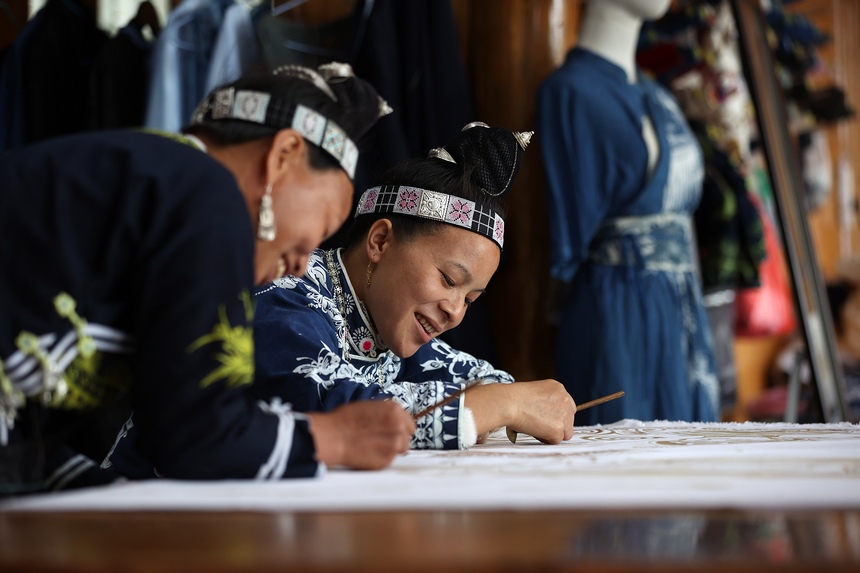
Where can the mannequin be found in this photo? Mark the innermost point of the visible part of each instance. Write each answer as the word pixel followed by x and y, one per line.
pixel 624 174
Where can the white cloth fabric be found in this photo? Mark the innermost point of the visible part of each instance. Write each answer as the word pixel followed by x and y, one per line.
pixel 628 465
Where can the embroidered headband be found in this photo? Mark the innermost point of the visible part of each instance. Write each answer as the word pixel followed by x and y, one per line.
pixel 263 108
pixel 442 207
pixel 495 153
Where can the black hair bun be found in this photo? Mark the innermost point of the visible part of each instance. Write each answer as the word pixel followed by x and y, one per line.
pixel 359 100
pixel 358 105
pixel 493 153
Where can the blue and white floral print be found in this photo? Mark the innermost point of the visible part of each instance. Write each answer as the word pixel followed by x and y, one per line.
pixel 319 353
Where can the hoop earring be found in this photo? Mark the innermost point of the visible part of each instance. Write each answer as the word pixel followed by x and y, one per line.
pixel 266 222
pixel 367 274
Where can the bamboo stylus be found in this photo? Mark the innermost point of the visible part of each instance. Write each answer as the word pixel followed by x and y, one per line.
pixel 512 435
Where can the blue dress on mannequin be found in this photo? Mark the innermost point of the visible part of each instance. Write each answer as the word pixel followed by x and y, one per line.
pixel 632 318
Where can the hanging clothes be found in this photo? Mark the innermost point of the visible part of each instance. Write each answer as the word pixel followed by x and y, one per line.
pixel 411 54
pixel 119 81
pixel 235 52
pixel 286 41
pixel 729 229
pixel 58 64
pixel 63 75
pixel 693 53
pixel 180 62
pixel 409 51
pixel 12 85
pixel 47 72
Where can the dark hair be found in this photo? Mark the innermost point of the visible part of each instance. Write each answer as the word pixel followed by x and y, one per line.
pixel 355 110
pixel 484 163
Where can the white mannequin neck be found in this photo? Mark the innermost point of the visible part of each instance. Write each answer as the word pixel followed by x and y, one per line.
pixel 611 31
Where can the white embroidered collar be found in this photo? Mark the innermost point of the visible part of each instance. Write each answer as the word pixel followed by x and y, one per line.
pixel 364 340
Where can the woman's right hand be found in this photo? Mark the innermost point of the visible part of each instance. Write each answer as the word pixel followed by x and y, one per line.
pixel 541 408
pixel 362 435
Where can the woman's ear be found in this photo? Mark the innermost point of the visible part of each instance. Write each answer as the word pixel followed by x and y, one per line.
pixel 379 238
pixel 287 146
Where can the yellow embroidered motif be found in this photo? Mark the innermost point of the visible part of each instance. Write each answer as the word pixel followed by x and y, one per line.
pixel 97 380
pixel 54 386
pixel 177 137
pixel 89 380
pixel 5 384
pixel 10 400
pixel 237 344
pixel 65 306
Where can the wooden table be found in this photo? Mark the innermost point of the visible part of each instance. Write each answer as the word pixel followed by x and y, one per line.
pixel 440 541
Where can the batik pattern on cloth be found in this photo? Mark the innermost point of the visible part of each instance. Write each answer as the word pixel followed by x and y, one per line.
pixel 656 466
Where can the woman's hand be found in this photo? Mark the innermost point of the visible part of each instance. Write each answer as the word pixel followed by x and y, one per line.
pixel 542 408
pixel 362 435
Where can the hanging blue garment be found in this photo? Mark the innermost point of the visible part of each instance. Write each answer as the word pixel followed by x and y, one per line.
pixel 54 54
pixel 622 242
pixel 12 95
pixel 180 63
pixel 235 51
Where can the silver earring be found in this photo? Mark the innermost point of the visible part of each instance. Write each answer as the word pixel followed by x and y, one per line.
pixel 266 223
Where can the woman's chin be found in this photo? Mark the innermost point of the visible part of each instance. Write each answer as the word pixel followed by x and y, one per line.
pixel 264 277
pixel 406 350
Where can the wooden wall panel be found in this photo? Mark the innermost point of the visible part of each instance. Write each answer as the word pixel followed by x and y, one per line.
pixel 841 20
pixel 509 47
pixel 15 13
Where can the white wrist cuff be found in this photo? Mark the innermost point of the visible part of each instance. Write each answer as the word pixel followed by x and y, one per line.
pixel 467 429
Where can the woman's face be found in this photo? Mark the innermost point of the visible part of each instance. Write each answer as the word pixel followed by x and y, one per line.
pixel 422 287
pixel 310 206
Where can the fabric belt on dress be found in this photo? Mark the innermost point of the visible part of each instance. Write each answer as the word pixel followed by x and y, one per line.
pixel 660 243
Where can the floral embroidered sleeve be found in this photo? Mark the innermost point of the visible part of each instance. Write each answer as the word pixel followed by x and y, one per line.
pixel 437 364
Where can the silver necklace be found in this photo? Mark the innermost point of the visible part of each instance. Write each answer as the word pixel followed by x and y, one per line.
pixel 341 305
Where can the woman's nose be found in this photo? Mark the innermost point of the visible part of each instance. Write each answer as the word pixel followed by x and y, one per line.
pixel 454 311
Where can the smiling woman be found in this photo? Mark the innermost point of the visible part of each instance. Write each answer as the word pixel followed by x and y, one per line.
pixel 364 321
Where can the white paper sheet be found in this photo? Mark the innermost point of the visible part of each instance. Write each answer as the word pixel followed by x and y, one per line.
pixel 627 465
